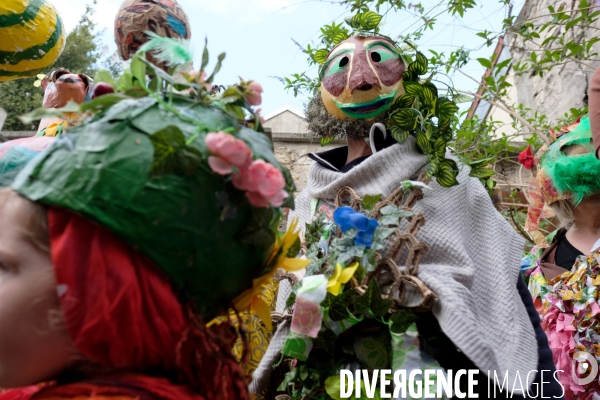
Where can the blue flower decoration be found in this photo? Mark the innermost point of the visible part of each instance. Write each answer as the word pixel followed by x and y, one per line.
pixel 346 218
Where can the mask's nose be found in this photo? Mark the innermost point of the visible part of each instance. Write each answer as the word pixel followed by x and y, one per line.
pixel 362 76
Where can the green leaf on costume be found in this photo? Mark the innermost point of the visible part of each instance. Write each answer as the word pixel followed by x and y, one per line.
pixel 399 134
pixel 291 300
pixel 423 142
pixel 324 141
pixel 439 147
pixel 372 301
pixel 391 215
pixel 339 37
pixel 40 113
pixel 406 119
pixel 171 153
pixel 407 76
pixel 370 20
pixel 446 173
pixel 430 92
pixel 138 70
pixel 381 233
pixel 463 98
pixel 401 321
pixel 445 108
pixel 369 201
pixel 347 249
pixel 326 341
pixel 220 59
pixel 258 232
pixel 338 305
pixel 104 76
pixel 204 55
pixel 320 55
pixel 413 88
pixel 419 66
pixel 404 101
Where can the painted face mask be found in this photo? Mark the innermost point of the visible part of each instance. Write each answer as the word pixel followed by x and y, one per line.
pixel 361 77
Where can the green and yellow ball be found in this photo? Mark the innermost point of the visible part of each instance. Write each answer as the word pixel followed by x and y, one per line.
pixel 32 36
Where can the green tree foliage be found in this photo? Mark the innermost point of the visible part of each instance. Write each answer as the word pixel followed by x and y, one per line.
pixel 81 55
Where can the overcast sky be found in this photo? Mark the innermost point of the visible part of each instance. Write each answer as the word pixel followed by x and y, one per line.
pixel 257 35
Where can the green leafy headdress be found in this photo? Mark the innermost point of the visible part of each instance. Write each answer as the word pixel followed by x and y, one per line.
pixel 174 171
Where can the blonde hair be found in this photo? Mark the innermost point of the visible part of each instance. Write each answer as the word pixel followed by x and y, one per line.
pixel 35 228
pixel 564 208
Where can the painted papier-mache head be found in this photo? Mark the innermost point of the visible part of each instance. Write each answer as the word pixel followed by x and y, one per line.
pixel 361 77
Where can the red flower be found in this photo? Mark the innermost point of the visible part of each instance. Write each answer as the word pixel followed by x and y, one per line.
pixel 526 158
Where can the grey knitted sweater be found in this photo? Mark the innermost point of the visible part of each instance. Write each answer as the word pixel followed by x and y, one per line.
pixel 473 260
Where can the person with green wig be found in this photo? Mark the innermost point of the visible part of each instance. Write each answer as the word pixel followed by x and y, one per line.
pixel 563 275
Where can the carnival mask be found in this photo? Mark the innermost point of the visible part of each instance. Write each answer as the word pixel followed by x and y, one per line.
pixel 361 77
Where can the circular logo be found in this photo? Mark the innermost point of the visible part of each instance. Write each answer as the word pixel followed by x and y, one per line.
pixel 584 363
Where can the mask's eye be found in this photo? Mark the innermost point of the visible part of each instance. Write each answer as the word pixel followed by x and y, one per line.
pixel 337 64
pixel 380 54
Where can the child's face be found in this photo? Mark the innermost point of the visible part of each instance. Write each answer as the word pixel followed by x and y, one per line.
pixel 34 342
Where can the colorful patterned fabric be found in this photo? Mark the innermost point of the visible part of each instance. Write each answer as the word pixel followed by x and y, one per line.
pixel 570 312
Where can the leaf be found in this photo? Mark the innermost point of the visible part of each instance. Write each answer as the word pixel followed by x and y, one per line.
pixel 402 320
pixel 446 173
pixel 324 141
pixel 463 98
pixel 370 20
pixel 369 201
pixel 485 63
pixel 339 37
pixel 320 56
pixel 381 233
pixel 347 249
pixel 391 215
pixel 445 108
pixel 419 66
pixel 371 301
pixel 399 134
pixel 430 92
pixel 439 147
pixel 102 102
pixel 406 119
pixel 104 76
pixel 338 305
pixel 326 341
pixel 220 59
pixel 404 101
pixel 138 70
pixel 423 142
pixel 40 113
pixel 413 88
pixel 204 55
pixel 407 76
pixel 258 232
pixel 355 21
pixel 171 155
pixel 482 173
pixel 166 144
pixel 290 300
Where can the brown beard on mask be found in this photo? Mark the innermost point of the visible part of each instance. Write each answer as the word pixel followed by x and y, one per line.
pixel 322 124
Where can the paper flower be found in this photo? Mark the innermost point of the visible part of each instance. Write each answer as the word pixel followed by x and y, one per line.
pixel 307 318
pixel 347 218
pixel 340 276
pixel 227 152
pixel 250 299
pixel 264 184
pixel 526 158
pixel 254 94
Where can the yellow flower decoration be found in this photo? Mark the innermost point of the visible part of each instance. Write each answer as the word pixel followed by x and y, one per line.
pixel 250 300
pixel 340 276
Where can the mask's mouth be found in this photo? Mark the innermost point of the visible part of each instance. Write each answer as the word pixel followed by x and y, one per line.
pixel 368 109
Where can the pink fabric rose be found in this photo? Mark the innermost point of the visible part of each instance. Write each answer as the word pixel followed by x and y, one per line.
pixel 227 152
pixel 560 331
pixel 254 97
pixel 263 184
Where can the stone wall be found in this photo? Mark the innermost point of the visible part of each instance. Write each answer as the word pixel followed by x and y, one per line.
pixel 565 86
pixel 291 151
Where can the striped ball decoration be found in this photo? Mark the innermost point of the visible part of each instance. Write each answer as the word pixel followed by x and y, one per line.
pixel 166 18
pixel 32 37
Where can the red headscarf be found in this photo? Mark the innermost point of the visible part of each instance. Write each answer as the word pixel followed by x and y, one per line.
pixel 122 314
